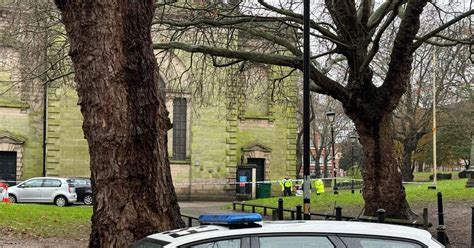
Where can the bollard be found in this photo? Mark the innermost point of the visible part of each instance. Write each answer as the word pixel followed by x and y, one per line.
pixel 274 214
pixel 425 218
pixel 352 186
pixel 292 215
pixel 440 210
pixel 299 212
pixel 381 215
pixel 280 209
pixel 307 216
pixel 233 205
pixel 441 234
pixel 338 213
pixel 264 211
pixel 190 222
pixel 472 227
pixel 242 207
pixel 253 209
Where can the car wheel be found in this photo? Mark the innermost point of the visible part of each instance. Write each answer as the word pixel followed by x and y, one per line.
pixel 12 198
pixel 88 199
pixel 60 201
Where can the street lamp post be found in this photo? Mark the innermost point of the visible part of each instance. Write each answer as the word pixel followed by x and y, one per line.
pixel 353 139
pixel 306 110
pixel 331 117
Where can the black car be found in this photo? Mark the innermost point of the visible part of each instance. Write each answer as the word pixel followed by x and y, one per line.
pixel 83 189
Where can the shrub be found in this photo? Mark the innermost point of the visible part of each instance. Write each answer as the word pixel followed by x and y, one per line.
pixel 463 174
pixel 442 176
pixel 355 172
pixel 347 184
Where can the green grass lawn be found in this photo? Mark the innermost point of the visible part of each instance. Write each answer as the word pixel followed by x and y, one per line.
pixel 453 190
pixel 40 220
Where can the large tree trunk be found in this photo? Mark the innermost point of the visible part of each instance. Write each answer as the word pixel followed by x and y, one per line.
pixel 409 146
pixel 407 167
pixel 125 119
pixel 382 181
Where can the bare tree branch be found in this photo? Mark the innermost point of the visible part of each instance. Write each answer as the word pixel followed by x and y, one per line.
pixel 376 42
pixel 299 17
pixel 441 28
pixel 401 57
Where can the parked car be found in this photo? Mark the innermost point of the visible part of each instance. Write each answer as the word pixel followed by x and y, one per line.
pixel 83 189
pixel 59 191
pixel 248 231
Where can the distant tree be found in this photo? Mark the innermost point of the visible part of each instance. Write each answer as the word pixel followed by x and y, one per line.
pixel 343 29
pixel 345 161
pixel 320 136
pixel 453 138
pixel 413 117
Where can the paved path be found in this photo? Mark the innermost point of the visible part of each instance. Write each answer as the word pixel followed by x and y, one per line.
pixel 195 208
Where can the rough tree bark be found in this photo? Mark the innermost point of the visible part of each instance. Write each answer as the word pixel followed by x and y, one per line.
pixel 125 119
pixel 383 186
pixel 407 167
pixel 371 109
pixel 409 146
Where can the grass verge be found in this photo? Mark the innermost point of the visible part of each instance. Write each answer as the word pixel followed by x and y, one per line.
pixel 452 190
pixel 45 221
pixel 38 220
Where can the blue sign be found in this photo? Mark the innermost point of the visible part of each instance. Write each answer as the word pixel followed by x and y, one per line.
pixel 243 179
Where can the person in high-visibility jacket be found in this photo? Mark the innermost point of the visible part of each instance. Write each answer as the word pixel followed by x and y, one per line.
pixel 319 186
pixel 286 186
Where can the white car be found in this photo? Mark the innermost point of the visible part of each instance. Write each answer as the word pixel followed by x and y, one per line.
pixel 248 231
pixel 59 191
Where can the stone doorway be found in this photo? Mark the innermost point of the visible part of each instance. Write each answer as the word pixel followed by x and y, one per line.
pixel 11 147
pixel 260 155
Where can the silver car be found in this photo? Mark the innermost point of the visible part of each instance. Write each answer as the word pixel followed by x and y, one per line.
pixel 59 191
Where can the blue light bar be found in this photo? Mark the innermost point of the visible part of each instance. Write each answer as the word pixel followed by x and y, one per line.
pixel 230 218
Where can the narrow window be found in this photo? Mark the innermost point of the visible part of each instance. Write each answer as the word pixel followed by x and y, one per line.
pixel 179 128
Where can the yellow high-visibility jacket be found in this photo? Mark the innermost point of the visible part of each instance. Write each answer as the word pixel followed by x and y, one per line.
pixel 285 183
pixel 319 186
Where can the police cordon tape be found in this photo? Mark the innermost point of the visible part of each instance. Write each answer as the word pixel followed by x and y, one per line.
pixel 278 181
pixel 266 182
pixel 260 182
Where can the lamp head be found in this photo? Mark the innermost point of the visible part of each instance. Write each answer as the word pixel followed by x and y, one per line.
pixel 331 116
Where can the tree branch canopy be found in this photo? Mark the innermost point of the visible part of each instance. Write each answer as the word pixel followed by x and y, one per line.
pixel 433 33
pixel 265 58
pixel 398 74
pixel 299 17
pixel 322 84
pixel 381 12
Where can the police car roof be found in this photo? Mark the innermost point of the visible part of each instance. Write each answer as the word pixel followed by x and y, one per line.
pixel 187 235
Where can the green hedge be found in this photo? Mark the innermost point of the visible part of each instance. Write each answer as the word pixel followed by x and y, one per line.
pixel 442 176
pixel 348 184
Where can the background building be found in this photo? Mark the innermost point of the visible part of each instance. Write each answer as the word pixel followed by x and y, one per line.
pixel 212 134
